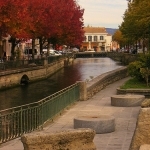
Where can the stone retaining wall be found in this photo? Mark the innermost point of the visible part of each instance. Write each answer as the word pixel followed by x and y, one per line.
pixel 79 139
pixel 12 78
pixel 145 92
pixel 142 132
pixel 105 79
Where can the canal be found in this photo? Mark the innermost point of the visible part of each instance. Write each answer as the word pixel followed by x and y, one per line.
pixel 83 69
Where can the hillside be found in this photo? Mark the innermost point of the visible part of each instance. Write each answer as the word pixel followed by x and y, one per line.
pixel 111 30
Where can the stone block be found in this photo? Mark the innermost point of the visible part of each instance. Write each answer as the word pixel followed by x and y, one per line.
pixel 128 100
pixel 81 139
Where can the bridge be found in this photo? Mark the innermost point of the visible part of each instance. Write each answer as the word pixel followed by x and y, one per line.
pixel 90 54
pixel 124 58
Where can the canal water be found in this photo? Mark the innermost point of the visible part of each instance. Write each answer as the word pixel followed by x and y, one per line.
pixel 83 69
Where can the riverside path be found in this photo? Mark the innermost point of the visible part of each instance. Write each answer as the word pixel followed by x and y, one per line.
pixel 100 103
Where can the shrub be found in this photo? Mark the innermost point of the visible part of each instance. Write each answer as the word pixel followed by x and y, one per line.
pixel 140 69
pixel 134 69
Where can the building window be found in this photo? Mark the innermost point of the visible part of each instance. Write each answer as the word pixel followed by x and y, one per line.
pixel 101 38
pixel 95 38
pixel 85 38
pixel 89 38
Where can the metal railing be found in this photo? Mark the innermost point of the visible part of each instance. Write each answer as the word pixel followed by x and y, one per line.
pixel 28 63
pixel 17 64
pixel 26 118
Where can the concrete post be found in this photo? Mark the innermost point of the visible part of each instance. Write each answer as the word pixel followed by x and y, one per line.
pixel 66 62
pixel 45 62
pixel 83 90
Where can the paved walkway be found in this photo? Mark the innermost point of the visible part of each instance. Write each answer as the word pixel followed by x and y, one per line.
pixel 125 118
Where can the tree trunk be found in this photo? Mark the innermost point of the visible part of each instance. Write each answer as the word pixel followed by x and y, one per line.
pixel 41 45
pixel 13 42
pixel 33 47
pixel 48 46
pixel 1 49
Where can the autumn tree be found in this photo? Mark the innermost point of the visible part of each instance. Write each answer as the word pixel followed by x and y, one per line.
pixel 14 19
pixel 54 21
pixel 119 38
pixel 64 23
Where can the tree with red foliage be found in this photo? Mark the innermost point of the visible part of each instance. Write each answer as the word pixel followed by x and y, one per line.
pixel 62 21
pixel 13 20
pixel 58 21
pixel 67 23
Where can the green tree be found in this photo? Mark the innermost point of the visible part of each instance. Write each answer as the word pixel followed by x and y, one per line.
pixel 136 21
pixel 140 69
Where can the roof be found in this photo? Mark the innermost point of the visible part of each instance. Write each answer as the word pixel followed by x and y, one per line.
pixel 95 30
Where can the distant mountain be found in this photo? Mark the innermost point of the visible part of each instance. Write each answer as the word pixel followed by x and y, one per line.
pixel 111 30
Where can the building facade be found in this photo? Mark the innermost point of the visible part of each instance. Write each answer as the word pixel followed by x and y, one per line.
pixel 96 38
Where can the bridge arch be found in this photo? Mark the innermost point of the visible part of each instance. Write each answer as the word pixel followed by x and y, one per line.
pixel 24 80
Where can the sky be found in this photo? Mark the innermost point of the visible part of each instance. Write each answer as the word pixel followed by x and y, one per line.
pixel 103 13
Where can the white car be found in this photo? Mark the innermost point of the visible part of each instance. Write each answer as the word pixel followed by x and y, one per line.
pixel 57 52
pixel 52 52
pixel 76 50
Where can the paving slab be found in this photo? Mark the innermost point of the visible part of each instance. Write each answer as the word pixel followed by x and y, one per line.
pixel 99 104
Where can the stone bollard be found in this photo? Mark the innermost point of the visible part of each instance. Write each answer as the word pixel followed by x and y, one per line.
pixel 101 123
pixel 79 139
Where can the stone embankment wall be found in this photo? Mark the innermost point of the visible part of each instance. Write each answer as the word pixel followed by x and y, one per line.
pixel 105 79
pixel 15 77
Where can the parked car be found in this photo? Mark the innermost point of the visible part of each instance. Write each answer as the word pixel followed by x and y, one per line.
pixel 75 50
pixel 66 51
pixel 28 53
pixel 57 53
pixel 52 52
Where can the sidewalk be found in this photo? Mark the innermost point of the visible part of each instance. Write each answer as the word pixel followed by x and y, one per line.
pixel 125 118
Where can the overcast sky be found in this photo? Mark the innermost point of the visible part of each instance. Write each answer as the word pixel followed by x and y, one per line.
pixel 103 13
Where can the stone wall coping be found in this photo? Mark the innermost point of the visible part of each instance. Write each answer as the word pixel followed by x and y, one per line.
pixel 145 92
pixel 8 72
pixel 134 90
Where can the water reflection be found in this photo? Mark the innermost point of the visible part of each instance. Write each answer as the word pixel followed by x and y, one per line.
pixel 82 69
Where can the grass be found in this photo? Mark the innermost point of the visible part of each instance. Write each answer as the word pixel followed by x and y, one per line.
pixel 134 83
